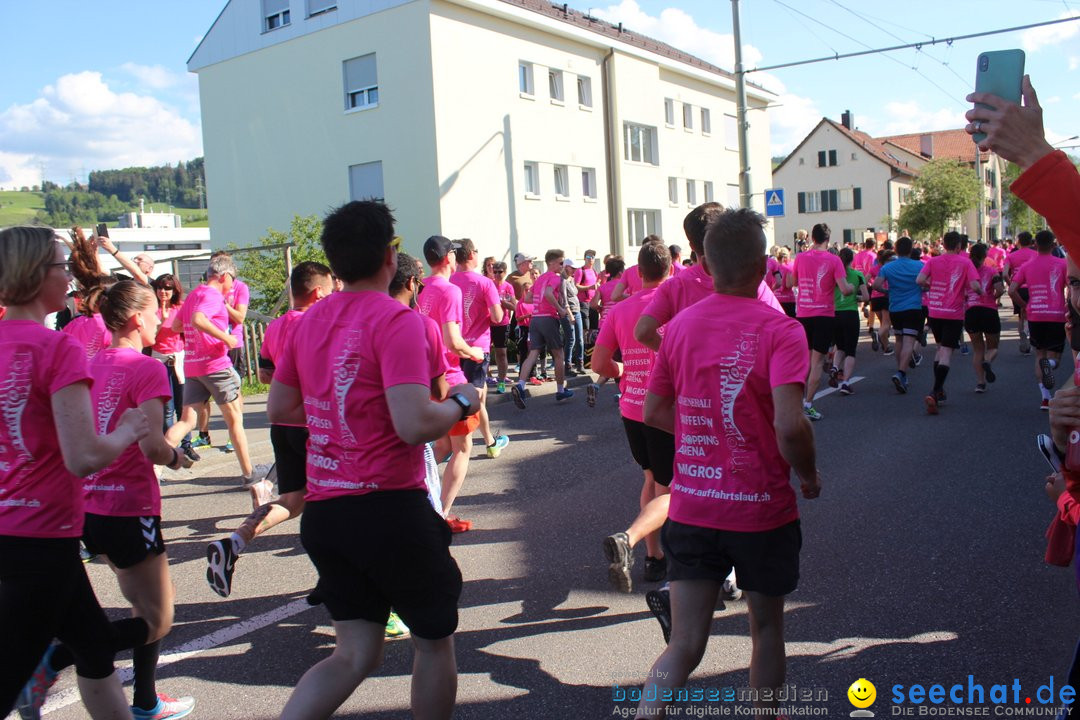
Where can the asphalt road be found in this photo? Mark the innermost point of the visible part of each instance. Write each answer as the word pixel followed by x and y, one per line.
pixel 922 563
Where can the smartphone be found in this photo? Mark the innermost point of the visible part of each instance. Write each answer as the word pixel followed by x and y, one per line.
pixel 1001 73
pixel 1046 447
pixel 102 230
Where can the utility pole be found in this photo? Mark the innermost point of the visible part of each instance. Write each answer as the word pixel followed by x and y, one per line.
pixel 740 111
pixel 982 193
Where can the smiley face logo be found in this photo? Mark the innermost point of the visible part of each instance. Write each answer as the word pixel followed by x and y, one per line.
pixel 862 693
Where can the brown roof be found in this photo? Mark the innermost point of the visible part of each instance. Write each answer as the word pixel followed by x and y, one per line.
pixel 571 16
pixel 947 144
pixel 875 148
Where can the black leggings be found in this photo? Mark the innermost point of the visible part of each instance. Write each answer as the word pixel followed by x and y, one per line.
pixel 44 593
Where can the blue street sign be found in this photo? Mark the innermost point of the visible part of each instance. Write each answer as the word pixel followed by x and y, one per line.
pixel 774 202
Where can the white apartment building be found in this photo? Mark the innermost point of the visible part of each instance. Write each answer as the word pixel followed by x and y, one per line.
pixel 520 124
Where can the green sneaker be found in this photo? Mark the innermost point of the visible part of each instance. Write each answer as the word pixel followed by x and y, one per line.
pixel 227 447
pixel 201 441
pixel 395 628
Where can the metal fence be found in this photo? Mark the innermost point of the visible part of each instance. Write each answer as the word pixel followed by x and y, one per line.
pixel 254 336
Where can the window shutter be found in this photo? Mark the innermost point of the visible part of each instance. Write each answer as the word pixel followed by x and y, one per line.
pixel 821 158
pixel 802 202
pixel 360 73
pixel 856 195
pixel 833 204
pixel 847 236
pixel 824 206
pixel 832 157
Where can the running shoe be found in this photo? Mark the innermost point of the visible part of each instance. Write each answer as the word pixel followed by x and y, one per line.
pixel 915 361
pixel 659 602
pixel 227 447
pixel 931 405
pixel 811 412
pixel 1045 405
pixel 564 394
pixel 395 628
pixel 166 707
pixel 592 390
pixel 888 350
pixel 730 591
pixel 84 554
pixel 547 378
pixel 259 473
pixel 579 368
pixel 201 441
pixel 845 389
pixel 189 452
pixel 965 349
pixel 457 525
pixel 940 397
pixel 875 343
pixel 492 382
pixel 500 388
pixel 519 394
pixel 655 568
pixel 262 493
pixel 990 376
pixel 980 387
pixel 496 447
pixel 220 561
pixel 617 397
pixel 621 558
pixel 32 696
pixel 900 382
pixel 534 381
pixel 1047 373
pixel 1025 346
pixel 834 377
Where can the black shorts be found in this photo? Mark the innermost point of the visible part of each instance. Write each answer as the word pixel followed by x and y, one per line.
pixel 290 457
pixel 476 372
pixel 498 336
pixel 1025 296
pixel 789 308
pixel 126 541
pixel 907 322
pixel 947 332
pixel 653 449
pixel 879 304
pixel 1048 336
pixel 846 335
pixel 382 550
pixel 819 332
pixel 766 562
pixel 984 320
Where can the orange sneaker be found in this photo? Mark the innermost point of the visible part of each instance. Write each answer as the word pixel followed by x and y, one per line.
pixel 457 525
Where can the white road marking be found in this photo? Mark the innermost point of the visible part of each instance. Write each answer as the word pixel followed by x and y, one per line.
pixel 831 390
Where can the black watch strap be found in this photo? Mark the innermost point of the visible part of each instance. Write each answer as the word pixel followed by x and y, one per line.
pixel 466 406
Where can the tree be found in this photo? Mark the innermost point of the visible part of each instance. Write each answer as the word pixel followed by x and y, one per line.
pixel 1018 216
pixel 944 189
pixel 264 271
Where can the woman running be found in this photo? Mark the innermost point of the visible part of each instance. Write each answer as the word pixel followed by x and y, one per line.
pixel 169 349
pixel 48 441
pixel 981 319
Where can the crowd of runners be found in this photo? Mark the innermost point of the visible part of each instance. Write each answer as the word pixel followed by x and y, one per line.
pixel 379 374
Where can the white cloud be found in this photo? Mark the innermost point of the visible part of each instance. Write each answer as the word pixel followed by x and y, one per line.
pixel 155 77
pixel 79 123
pixel 1037 38
pixel 1051 100
pixel 910 117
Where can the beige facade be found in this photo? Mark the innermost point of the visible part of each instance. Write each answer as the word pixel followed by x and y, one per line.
pixel 509 122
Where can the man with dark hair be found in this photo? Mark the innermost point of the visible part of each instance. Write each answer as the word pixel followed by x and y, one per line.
pixel 1013 262
pixel 817 273
pixel 652 449
pixel 544 330
pixel 731 370
pixel 676 259
pixel 352 372
pixel 948 277
pixel 1044 277
pixel 905 306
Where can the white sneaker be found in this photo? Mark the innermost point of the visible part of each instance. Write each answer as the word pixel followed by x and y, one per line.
pixel 258 474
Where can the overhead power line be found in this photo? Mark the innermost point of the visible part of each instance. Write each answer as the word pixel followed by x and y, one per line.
pixel 917 46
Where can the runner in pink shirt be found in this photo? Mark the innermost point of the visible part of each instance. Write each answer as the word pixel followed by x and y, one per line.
pixel 630 282
pixel 545 330
pixel 996 254
pixel 169 349
pixel 817 273
pixel 727 382
pixel 353 372
pixel 1015 260
pixel 602 305
pixel 90 332
pixel 866 257
pixel 1044 277
pixel 236 303
pixel 588 283
pixel 49 440
pixel 981 319
pixel 785 293
pixel 948 279
pixel 500 330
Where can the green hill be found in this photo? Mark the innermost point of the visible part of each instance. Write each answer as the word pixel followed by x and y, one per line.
pixel 19 208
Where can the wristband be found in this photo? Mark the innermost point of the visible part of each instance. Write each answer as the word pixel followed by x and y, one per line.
pixel 115 252
pixel 175 464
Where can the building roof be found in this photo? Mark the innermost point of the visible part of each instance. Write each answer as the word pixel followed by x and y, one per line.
pixel 874 147
pixel 947 144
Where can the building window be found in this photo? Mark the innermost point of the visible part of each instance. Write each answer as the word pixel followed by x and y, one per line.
pixel 844 199
pixel 673 190
pixel 708 191
pixel 669 112
pixel 832 158
pixel 829 201
pixel 640 224
pixel 588 183
pixel 808 202
pixel 562 182
pixel 275 14
pixel 525 78
pixel 733 196
pixel 691 193
pixel 555 86
pixel 688 116
pixel 366 181
pixel 532 179
pixel 639 144
pixel 318 7
pixel 361 83
pixel 731 132
pixel 584 91
pixel 826 158
pixel 706 122
pixel 856 198
pixel 802 161
pixel 821 158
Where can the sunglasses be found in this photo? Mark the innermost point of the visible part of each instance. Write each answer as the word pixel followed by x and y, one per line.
pixel 65 265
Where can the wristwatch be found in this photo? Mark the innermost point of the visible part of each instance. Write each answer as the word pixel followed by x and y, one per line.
pixel 466 406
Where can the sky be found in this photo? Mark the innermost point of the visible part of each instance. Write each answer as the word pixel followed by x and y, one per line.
pixel 107 85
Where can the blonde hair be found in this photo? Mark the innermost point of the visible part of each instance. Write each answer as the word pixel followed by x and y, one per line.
pixel 25 254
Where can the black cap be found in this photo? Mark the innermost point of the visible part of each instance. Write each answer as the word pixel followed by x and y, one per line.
pixel 437 247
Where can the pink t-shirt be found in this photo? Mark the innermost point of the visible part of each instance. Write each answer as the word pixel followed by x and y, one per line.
pixel 167 342
pixel 277 334
pixel 720 361
pixel 987 272
pixel 478 294
pixel 818 273
pixel 542 307
pixel 875 269
pixel 863 260
pixel 504 289
pixel 124 378
pixel 350 348
pixel 606 291
pixel 524 313
pixel 950 277
pixel 687 288
pixel 240 294
pixel 38 496
pixel 1045 277
pixel 996 256
pixel 784 294
pixel 91 333
pixel 441 301
pixel 204 354
pixel 1017 258
pixel 618 334
pixel 436 347
pixel 631 280
pixel 585 276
